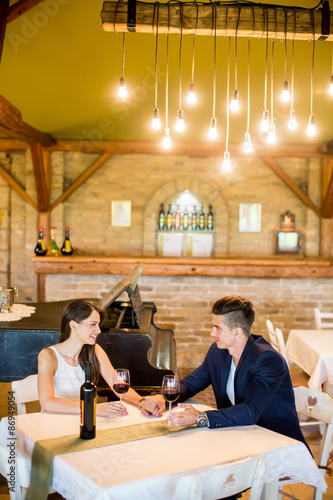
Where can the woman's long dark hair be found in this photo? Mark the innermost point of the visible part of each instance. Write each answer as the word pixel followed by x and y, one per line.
pixel 79 310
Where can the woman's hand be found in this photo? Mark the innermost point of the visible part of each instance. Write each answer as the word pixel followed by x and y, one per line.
pixel 154 405
pixel 111 410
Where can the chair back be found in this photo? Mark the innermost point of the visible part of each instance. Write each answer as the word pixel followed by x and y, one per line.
pixel 277 340
pixel 323 319
pixel 25 390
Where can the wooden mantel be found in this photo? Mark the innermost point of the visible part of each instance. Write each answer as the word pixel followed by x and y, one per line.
pixel 269 267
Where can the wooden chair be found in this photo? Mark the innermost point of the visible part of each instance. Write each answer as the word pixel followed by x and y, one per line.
pixel 277 340
pixel 25 391
pixel 319 406
pixel 323 319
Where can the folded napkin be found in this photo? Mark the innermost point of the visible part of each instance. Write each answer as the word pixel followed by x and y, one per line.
pixel 45 450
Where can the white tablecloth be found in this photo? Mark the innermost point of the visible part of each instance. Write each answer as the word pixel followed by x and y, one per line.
pixel 312 350
pixel 153 467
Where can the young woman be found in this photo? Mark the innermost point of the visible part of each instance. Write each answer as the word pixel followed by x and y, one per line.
pixel 61 367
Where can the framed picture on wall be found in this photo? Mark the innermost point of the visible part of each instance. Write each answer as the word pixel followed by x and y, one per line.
pixel 249 217
pixel 287 241
pixel 121 213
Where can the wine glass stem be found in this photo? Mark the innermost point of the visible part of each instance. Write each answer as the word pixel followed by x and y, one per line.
pixel 169 408
pixel 121 398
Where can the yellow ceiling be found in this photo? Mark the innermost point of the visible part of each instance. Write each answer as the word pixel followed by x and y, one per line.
pixel 61 70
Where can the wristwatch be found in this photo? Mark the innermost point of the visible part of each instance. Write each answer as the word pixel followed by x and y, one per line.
pixel 141 401
pixel 202 420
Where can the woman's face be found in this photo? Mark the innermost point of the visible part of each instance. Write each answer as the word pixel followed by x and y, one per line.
pixel 88 329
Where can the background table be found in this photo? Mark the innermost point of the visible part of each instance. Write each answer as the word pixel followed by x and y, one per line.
pixel 155 467
pixel 312 350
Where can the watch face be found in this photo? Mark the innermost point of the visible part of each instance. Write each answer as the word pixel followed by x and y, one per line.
pixel 202 420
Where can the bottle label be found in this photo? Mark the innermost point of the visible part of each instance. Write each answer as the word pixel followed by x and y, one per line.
pixel 42 244
pixel 185 222
pixel 68 246
pixel 81 412
pixel 95 402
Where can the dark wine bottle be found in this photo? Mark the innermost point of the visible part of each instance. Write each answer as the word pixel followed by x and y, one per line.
pixel 161 218
pixel 177 219
pixel 40 248
pixel 185 220
pixel 210 219
pixel 67 248
pixel 169 218
pixel 194 219
pixel 202 219
pixel 88 406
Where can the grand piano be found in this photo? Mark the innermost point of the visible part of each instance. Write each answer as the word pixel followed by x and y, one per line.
pixel 128 335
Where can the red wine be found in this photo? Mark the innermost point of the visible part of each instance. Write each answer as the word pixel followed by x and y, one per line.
pixel 121 388
pixel 171 395
pixel 88 406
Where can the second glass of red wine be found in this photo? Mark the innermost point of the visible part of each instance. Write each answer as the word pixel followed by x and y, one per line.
pixel 121 382
pixel 170 389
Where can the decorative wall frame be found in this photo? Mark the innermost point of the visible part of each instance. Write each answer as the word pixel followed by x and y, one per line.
pixel 250 217
pixel 121 213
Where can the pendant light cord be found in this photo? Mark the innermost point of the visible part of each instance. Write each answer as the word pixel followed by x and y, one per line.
pixel 285 44
pixel 167 74
pixel 266 62
pixel 272 70
pixel 193 45
pixel 248 73
pixel 236 52
pixel 293 64
pixel 123 62
pixel 180 53
pixel 312 64
pixel 214 80
pixel 228 85
pixel 157 5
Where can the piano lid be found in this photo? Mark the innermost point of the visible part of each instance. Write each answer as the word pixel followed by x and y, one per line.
pixel 127 284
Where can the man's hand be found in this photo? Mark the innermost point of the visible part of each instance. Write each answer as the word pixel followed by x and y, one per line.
pixel 154 405
pixel 184 418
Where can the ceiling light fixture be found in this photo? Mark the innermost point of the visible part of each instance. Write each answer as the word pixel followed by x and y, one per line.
pixel 271 136
pixel 192 96
pixel 156 122
pixel 212 132
pixel 292 123
pixel 180 124
pixel 226 164
pixel 264 125
pixel 122 90
pixel 285 94
pixel 311 128
pixel 234 105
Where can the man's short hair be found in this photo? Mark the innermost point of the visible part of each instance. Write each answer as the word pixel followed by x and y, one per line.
pixel 236 311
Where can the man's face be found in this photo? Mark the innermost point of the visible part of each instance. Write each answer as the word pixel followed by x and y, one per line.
pixel 224 338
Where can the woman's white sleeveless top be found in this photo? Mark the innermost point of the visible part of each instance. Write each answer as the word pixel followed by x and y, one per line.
pixel 67 379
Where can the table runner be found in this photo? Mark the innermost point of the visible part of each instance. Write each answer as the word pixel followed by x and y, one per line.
pixel 45 450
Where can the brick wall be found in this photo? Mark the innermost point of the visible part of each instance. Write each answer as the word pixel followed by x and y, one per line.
pixel 183 303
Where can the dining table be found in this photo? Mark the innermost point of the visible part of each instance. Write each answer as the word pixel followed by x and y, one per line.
pixel 312 350
pixel 185 465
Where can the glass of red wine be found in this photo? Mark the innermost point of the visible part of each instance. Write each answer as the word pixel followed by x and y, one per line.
pixel 121 382
pixel 170 389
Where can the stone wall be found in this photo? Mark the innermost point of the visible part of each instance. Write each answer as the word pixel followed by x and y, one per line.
pixel 183 303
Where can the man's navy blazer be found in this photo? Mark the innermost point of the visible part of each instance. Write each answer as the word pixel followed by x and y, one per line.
pixel 263 390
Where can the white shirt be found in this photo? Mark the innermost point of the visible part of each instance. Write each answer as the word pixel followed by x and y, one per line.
pixel 67 380
pixel 230 383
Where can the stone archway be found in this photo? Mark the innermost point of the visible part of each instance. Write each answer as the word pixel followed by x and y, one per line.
pixel 209 190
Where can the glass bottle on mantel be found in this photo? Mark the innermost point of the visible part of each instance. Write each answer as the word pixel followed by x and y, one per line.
pixel 161 218
pixel 177 219
pixel 202 219
pixel 88 405
pixel 52 247
pixel 194 219
pixel 67 248
pixel 185 220
pixel 40 248
pixel 169 218
pixel 210 219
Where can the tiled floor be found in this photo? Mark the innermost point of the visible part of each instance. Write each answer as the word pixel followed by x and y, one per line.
pixel 300 491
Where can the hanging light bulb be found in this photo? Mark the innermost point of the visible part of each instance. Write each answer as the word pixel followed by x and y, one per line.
pixel 122 90
pixel 166 143
pixel 191 96
pixel 311 128
pixel 226 164
pixel 156 122
pixel 264 125
pixel 212 132
pixel 180 124
pixel 248 148
pixel 292 123
pixel 271 136
pixel 234 105
pixel 330 89
pixel 285 94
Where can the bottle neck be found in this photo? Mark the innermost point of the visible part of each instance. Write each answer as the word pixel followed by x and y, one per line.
pixel 88 372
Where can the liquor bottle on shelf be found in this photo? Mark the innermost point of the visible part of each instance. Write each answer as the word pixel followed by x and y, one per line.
pixel 67 248
pixel 88 405
pixel 52 247
pixel 210 219
pixel 161 218
pixel 177 219
pixel 169 218
pixel 202 219
pixel 40 248
pixel 194 219
pixel 185 220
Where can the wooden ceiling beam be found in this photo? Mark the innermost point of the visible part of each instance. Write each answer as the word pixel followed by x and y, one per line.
pixel 3 23
pixel 20 7
pixel 199 19
pixel 327 203
pixel 76 184
pixel 16 186
pixel 291 184
pixel 12 125
pixel 41 171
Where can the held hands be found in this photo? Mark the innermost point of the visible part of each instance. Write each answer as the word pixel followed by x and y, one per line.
pixel 184 418
pixel 154 405
pixel 111 410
